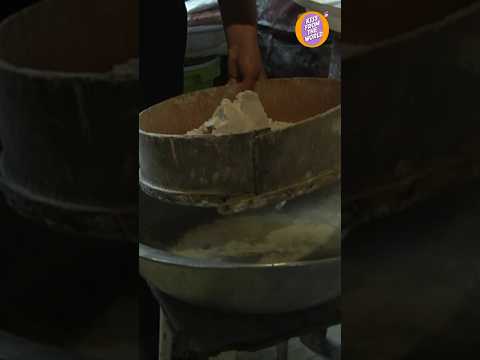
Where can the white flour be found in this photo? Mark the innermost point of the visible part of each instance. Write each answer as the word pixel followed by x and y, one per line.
pixel 306 228
pixel 272 238
pixel 244 114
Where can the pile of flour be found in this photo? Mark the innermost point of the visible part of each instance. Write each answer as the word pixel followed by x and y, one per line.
pixel 306 228
pixel 244 114
pixel 274 238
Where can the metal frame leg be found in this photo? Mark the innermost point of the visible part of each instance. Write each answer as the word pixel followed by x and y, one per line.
pixel 282 351
pixel 165 338
pixel 318 343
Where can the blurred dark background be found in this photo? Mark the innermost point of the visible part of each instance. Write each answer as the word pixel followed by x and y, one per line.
pixel 63 295
pixel 12 7
pixel 67 292
pixel 410 281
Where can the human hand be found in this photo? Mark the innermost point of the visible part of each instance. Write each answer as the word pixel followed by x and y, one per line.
pixel 245 66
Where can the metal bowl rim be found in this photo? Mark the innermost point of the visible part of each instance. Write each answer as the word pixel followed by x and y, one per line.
pixel 149 253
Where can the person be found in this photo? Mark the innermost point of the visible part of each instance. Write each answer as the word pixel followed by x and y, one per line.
pixel 163 45
pixel 163 37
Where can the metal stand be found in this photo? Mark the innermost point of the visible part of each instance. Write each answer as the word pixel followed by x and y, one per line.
pixel 282 351
pixel 317 342
pixel 187 332
pixel 165 338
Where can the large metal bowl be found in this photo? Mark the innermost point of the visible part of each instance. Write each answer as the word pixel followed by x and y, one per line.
pixel 245 288
pixel 237 286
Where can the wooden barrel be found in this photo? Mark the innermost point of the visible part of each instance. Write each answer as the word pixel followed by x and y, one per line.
pixel 68 114
pixel 230 169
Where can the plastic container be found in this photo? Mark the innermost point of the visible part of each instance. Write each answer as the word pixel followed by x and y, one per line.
pixel 206 40
pixel 202 76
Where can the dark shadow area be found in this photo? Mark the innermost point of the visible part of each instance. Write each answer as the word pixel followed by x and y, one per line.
pixel 410 274
pixel 72 293
pixel 410 282
pixel 69 269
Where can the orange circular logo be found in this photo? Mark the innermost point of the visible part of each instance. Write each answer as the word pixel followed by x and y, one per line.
pixel 312 29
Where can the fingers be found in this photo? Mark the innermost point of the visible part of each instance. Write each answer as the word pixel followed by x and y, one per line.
pixel 232 89
pixel 250 73
pixel 245 69
pixel 251 76
pixel 233 72
pixel 247 84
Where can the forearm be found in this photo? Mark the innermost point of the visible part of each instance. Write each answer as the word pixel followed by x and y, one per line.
pixel 244 57
pixel 238 12
pixel 240 21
